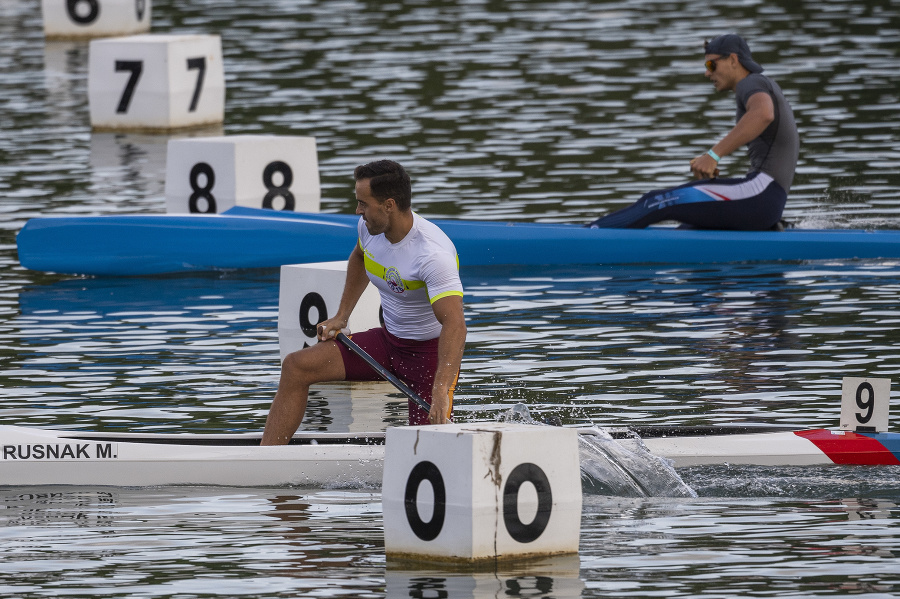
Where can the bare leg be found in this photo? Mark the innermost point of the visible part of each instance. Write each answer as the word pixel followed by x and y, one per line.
pixel 300 369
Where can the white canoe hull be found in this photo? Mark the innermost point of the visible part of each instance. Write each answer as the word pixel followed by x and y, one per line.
pixel 50 457
pixel 47 457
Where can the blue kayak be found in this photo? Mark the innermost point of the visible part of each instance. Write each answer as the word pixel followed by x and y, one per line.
pixel 255 238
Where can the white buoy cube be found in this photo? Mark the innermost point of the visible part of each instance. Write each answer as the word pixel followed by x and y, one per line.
pixel 211 174
pixel 156 82
pixel 469 492
pixel 865 404
pixel 311 293
pixel 79 19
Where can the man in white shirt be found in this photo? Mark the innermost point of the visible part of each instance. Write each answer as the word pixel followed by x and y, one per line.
pixel 416 270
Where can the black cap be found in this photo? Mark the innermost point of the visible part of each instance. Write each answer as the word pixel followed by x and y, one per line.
pixel 732 43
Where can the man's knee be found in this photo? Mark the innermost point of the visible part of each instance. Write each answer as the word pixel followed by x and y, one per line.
pixel 312 365
pixel 298 366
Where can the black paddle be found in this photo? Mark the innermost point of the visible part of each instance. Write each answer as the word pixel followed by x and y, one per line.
pixel 382 371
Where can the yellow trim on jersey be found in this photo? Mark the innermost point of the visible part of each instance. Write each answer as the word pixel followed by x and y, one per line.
pixel 445 294
pixel 377 270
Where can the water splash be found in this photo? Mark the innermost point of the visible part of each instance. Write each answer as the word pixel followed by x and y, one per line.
pixel 610 468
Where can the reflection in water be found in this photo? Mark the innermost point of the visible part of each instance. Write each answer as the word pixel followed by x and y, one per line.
pixel 539 578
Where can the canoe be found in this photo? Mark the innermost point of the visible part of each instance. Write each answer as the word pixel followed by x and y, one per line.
pixel 53 457
pixel 126 245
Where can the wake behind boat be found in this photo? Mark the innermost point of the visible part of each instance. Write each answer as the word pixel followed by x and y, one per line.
pixel 126 245
pixel 52 457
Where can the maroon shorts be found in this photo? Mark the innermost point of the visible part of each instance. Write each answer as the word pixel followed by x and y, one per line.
pixel 413 362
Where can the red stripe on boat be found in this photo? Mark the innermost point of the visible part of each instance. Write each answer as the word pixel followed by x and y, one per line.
pixel 850 448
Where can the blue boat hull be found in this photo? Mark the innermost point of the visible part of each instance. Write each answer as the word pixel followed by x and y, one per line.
pixel 252 238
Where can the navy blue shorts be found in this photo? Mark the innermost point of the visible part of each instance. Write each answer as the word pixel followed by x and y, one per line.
pixel 751 203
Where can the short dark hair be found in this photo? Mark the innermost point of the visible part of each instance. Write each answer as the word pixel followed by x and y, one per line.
pixel 388 180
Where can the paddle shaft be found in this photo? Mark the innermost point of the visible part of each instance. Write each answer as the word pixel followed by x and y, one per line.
pixel 382 371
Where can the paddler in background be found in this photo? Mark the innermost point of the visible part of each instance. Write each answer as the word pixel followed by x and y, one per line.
pixel 765 124
pixel 414 266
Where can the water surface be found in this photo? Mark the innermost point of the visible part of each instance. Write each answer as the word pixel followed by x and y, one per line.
pixel 521 110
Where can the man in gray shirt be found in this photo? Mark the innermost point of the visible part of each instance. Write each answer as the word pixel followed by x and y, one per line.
pixel 765 124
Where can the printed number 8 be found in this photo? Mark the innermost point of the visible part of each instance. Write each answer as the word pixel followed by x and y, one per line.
pixel 274 191
pixel 282 190
pixel 867 404
pixel 202 168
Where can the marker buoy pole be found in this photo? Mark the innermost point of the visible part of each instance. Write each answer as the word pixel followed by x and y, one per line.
pixel 470 492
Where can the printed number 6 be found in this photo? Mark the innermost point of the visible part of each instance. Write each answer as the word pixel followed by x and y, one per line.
pixel 83 19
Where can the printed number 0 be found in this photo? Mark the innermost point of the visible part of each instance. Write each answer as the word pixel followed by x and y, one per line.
pixel 282 190
pixel 90 17
pixel 518 530
pixel 867 404
pixel 202 168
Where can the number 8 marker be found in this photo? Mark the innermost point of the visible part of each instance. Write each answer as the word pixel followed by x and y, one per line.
pixel 257 171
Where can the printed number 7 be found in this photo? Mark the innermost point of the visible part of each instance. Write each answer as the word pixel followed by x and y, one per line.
pixel 136 67
pixel 200 65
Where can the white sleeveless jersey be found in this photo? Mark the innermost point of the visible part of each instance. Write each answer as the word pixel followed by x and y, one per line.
pixel 411 275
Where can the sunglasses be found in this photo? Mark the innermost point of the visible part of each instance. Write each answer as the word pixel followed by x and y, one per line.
pixel 711 64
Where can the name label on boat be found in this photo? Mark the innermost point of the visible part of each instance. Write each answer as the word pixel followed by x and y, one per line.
pixel 865 404
pixel 60 451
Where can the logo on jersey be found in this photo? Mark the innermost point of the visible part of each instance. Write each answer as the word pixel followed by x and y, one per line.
pixel 394 280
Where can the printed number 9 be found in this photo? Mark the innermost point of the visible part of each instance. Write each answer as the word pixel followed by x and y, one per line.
pixel 83 19
pixel 867 404
pixel 312 300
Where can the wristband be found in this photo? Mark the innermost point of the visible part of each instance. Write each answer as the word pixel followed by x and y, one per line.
pixel 714 156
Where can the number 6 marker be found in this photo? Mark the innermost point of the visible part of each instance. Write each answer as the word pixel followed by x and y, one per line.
pixel 81 19
pixel 865 403
pixel 156 82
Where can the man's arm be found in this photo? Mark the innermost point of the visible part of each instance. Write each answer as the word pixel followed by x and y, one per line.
pixel 760 114
pixel 449 312
pixel 354 286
